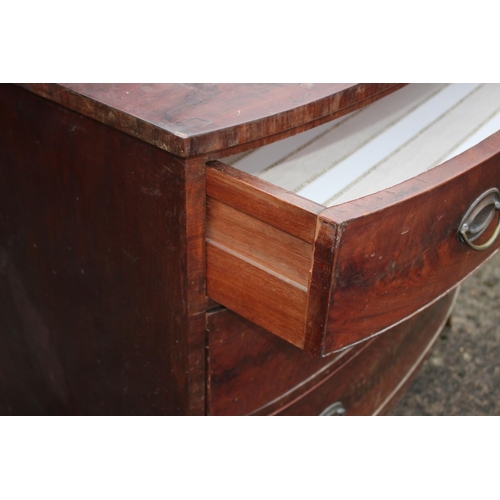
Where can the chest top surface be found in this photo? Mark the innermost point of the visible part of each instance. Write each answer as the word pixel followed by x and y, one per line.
pixel 198 119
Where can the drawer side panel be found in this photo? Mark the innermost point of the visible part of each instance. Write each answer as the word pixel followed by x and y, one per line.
pixel 263 297
pixel 259 250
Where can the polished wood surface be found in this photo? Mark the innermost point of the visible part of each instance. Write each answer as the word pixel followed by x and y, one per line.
pixel 197 119
pixel 104 238
pixel 115 223
pixel 249 368
pixel 371 382
pixel 253 372
pixel 366 264
pixel 398 250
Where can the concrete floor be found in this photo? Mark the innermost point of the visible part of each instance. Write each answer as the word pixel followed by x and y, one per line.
pixel 462 374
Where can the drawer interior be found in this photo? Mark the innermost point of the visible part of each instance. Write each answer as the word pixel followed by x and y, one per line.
pixel 393 139
pixel 274 249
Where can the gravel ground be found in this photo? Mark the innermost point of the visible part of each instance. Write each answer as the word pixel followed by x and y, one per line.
pixel 462 374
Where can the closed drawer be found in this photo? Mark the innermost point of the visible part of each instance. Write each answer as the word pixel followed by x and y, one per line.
pixel 372 381
pixel 327 278
pixel 253 372
pixel 249 369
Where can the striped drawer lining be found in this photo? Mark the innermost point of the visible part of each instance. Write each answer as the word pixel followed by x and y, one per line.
pixel 389 141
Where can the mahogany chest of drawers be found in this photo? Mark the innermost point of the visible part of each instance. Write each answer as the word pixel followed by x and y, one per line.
pixel 142 274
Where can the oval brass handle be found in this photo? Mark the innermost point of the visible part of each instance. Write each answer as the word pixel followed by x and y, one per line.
pixel 477 219
pixel 334 410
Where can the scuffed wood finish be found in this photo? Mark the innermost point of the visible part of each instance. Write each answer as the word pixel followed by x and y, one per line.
pixel 397 251
pixel 373 379
pixel 104 236
pixel 200 119
pixel 319 285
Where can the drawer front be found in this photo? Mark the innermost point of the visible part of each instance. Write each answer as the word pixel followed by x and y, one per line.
pixel 328 278
pixel 397 251
pixel 251 371
pixel 372 381
pixel 248 367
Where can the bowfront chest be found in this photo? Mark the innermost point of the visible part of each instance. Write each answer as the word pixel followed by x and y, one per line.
pixel 186 249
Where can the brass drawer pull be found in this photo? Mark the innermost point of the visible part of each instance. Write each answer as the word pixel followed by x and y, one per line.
pixel 477 219
pixel 334 410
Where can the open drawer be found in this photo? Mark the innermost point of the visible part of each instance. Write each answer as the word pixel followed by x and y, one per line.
pixel 327 278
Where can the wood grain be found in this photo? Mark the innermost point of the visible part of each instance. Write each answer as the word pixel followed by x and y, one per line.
pixel 250 369
pixel 259 250
pixel 370 382
pixel 103 238
pixel 198 119
pixel 107 235
pixel 266 298
pixel 254 372
pixel 375 261
pixel 398 251
pixel 262 200
pixel 319 289
pixel 258 242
